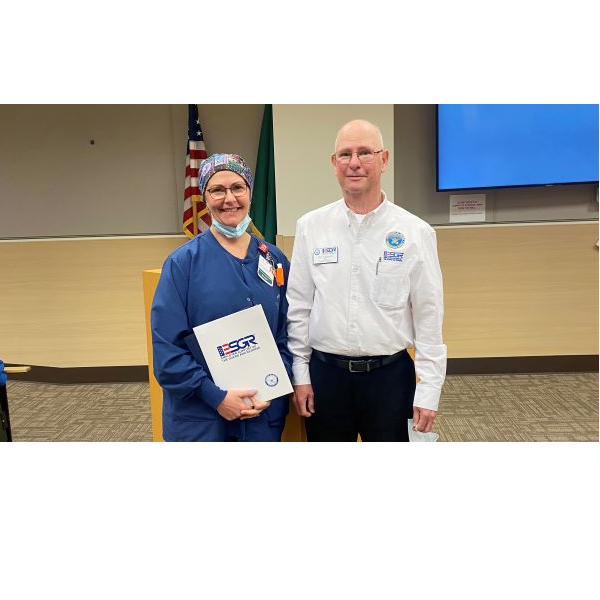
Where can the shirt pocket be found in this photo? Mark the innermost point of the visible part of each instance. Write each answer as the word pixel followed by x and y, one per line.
pixel 392 285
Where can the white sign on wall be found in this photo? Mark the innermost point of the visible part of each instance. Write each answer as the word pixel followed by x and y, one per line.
pixel 468 208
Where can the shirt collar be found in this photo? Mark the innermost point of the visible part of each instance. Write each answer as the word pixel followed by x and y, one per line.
pixel 381 208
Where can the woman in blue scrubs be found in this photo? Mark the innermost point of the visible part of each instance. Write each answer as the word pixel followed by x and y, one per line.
pixel 213 275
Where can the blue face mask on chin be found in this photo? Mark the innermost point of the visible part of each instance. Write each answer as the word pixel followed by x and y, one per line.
pixel 232 232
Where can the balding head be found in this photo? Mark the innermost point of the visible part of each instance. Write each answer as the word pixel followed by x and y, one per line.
pixel 359 129
pixel 358 161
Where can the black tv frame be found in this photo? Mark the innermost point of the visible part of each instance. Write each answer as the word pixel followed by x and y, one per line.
pixel 488 187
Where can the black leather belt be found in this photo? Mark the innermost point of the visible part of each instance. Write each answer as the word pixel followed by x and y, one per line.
pixel 358 365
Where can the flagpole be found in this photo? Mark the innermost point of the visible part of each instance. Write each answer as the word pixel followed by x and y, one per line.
pixel 194 215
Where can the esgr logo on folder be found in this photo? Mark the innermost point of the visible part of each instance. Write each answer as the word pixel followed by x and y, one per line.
pixel 243 345
pixel 249 359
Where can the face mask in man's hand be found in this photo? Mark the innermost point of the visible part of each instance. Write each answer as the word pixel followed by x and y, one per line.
pixel 419 436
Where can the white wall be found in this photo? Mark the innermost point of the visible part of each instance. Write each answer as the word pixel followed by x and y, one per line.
pixel 304 141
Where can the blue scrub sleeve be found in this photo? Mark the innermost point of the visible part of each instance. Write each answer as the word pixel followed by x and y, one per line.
pixel 175 368
pixel 281 336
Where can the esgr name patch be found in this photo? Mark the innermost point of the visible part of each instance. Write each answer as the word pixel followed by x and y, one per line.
pixel 395 256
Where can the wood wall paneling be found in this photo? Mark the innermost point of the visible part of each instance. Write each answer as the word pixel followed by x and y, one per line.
pixel 77 303
pixel 529 290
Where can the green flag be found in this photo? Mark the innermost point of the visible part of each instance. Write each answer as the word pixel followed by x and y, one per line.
pixel 263 211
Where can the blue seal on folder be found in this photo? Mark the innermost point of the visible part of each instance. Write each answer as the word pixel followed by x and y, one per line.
pixel 271 380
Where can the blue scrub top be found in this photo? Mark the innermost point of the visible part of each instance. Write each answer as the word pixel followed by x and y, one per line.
pixel 201 282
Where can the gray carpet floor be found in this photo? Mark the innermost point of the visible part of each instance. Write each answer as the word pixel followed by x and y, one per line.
pixel 488 408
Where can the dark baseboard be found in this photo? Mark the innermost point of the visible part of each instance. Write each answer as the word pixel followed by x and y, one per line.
pixel 83 374
pixel 587 363
pixel 584 363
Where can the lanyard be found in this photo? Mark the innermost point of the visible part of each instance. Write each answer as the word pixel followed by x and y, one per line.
pixel 276 267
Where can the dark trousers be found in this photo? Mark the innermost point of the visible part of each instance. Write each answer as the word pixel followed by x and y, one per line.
pixel 376 405
pixel 5 433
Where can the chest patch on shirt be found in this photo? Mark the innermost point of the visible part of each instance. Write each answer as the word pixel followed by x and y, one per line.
pixel 394 239
pixel 394 256
pixel 325 255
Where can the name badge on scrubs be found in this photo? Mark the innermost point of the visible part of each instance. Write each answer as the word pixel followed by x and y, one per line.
pixel 325 255
pixel 265 271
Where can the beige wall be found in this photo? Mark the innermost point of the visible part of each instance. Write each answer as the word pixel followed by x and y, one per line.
pixel 77 302
pixel 304 139
pixel 53 182
pixel 508 292
pixel 520 290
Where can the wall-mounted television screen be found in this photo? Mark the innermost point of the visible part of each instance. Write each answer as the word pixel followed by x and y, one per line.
pixel 508 145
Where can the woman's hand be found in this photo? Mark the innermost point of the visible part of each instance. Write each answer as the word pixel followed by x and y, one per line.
pixel 254 410
pixel 238 403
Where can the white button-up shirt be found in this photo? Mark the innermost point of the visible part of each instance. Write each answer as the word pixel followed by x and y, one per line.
pixel 367 289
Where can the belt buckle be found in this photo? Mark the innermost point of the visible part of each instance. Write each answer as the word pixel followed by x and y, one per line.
pixel 364 362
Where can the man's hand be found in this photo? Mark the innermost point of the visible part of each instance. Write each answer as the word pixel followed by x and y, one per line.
pixel 304 400
pixel 423 419
pixel 238 402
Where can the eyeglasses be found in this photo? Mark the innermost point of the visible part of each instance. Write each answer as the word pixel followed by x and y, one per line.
pixel 220 193
pixel 365 156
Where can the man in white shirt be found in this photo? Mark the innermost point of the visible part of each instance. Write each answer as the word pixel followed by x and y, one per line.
pixel 365 284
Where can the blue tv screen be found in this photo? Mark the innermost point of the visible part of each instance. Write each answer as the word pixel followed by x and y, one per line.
pixel 508 145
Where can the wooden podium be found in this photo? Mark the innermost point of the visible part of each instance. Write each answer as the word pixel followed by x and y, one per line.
pixel 294 427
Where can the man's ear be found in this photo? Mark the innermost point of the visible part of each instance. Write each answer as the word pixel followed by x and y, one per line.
pixel 385 157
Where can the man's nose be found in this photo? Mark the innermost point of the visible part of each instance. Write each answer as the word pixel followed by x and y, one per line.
pixel 354 161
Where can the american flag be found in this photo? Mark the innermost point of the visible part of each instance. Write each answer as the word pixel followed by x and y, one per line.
pixel 224 350
pixel 195 216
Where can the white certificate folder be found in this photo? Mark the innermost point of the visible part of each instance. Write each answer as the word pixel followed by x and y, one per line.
pixel 241 353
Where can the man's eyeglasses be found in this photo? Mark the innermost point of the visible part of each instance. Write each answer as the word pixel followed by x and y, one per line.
pixel 220 193
pixel 365 156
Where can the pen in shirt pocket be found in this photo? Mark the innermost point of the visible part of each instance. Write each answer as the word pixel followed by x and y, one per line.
pixel 377 266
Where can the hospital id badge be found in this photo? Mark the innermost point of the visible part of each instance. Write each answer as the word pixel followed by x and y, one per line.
pixel 325 255
pixel 265 271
